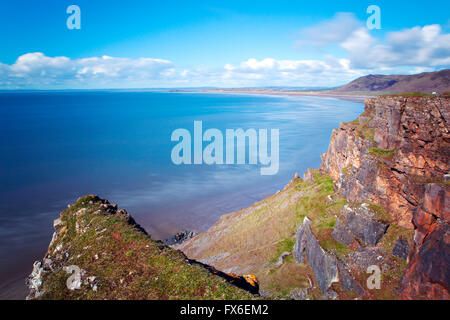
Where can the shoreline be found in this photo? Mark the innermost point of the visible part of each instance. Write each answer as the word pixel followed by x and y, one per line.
pixel 345 97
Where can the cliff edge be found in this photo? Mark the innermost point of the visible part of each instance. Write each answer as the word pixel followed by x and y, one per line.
pixel 99 252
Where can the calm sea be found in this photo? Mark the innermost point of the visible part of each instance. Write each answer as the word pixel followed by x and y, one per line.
pixel 58 146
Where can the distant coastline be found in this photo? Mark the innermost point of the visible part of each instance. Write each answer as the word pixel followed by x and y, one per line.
pixel 370 86
pixel 274 92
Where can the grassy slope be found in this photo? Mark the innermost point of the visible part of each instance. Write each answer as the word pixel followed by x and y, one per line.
pixel 252 240
pixel 127 264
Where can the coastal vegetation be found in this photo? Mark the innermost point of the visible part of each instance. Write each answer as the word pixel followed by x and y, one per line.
pixel 118 260
pixel 386 154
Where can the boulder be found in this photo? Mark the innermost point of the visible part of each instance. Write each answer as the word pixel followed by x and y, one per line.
pixel 179 238
pixel 341 234
pixel 361 223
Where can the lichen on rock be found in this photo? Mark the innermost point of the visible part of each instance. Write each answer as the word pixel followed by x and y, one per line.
pixel 99 252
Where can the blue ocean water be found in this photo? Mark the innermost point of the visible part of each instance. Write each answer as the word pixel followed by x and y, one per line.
pixel 58 146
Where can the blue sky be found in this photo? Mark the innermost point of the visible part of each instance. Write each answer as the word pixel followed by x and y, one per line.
pixel 216 43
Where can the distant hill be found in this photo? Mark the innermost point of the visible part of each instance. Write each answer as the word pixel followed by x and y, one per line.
pixel 426 82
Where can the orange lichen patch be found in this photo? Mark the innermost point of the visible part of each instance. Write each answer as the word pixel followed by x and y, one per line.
pixel 233 275
pixel 251 279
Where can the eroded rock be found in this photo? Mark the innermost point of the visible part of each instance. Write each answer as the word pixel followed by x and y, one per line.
pixel 427 275
pixel 324 264
pixel 180 237
pixel 361 223
pixel 340 233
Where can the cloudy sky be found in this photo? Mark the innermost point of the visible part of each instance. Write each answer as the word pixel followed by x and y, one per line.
pixel 227 43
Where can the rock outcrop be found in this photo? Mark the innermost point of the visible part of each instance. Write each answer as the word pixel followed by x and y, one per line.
pixel 323 263
pixel 100 252
pixel 397 155
pixel 362 225
pixel 428 273
pixel 179 238
pixel 327 268
pixel 389 154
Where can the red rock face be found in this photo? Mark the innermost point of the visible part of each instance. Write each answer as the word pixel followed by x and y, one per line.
pixel 396 156
pixel 428 274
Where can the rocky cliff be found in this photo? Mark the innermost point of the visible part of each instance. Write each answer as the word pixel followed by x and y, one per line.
pixel 397 155
pixel 378 205
pixel 99 252
pixel 389 154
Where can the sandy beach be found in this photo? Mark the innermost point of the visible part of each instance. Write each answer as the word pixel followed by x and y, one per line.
pixel 271 92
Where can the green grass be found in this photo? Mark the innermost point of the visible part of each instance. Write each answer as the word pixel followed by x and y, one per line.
pixel 346 170
pixel 126 262
pixel 365 131
pixel 353 122
pixel 322 212
pixel 380 214
pixel 410 94
pixel 385 154
pixel 290 276
pixel 285 245
pixel 338 249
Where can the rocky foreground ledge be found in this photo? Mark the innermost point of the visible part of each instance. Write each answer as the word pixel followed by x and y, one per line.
pixel 99 252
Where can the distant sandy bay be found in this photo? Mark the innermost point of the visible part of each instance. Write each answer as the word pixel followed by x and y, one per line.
pixel 262 91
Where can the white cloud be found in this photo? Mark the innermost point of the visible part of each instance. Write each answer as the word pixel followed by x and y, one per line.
pixel 329 31
pixel 291 72
pixel 416 47
pixel 422 47
pixel 36 69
